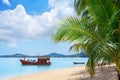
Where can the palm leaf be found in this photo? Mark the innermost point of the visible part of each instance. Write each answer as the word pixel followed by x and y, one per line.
pixel 72 29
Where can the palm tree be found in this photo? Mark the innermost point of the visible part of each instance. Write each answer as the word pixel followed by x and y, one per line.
pixel 107 13
pixel 107 17
pixel 95 31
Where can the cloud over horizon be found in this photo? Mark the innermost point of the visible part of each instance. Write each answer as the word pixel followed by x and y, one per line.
pixel 17 25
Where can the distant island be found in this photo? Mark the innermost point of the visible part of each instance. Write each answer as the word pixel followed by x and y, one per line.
pixel 81 54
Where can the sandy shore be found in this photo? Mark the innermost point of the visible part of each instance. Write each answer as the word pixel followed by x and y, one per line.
pixel 75 73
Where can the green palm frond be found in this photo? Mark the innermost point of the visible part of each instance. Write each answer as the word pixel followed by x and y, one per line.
pixel 102 10
pixel 76 47
pixel 113 50
pixel 72 29
pixel 79 5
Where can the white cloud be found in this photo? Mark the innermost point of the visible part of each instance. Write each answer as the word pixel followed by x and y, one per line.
pixel 63 7
pixel 6 2
pixel 18 25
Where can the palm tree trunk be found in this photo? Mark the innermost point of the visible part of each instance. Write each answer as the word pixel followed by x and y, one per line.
pixel 91 77
pixel 118 75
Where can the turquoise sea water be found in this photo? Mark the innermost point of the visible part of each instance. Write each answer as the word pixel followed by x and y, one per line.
pixel 12 67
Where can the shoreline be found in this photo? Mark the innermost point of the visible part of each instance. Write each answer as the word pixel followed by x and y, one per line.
pixel 49 72
pixel 74 73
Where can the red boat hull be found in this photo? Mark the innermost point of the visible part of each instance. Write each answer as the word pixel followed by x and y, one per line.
pixel 25 62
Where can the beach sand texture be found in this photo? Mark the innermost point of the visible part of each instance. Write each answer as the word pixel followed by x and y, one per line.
pixel 75 73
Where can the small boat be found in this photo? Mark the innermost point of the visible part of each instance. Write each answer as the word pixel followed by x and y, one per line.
pixel 40 61
pixel 78 63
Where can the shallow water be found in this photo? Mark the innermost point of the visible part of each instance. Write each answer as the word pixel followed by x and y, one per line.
pixel 12 67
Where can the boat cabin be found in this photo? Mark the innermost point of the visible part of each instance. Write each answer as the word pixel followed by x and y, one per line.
pixel 43 60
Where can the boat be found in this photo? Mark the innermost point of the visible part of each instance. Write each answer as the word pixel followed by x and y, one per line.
pixel 40 61
pixel 78 63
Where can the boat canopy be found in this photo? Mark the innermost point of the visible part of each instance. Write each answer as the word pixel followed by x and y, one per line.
pixel 43 58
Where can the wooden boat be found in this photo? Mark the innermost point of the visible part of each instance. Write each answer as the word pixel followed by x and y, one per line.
pixel 40 61
pixel 78 63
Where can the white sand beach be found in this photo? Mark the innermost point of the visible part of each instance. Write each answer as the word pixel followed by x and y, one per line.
pixel 75 73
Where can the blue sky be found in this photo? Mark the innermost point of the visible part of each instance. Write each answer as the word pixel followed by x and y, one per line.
pixel 26 26
pixel 31 6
